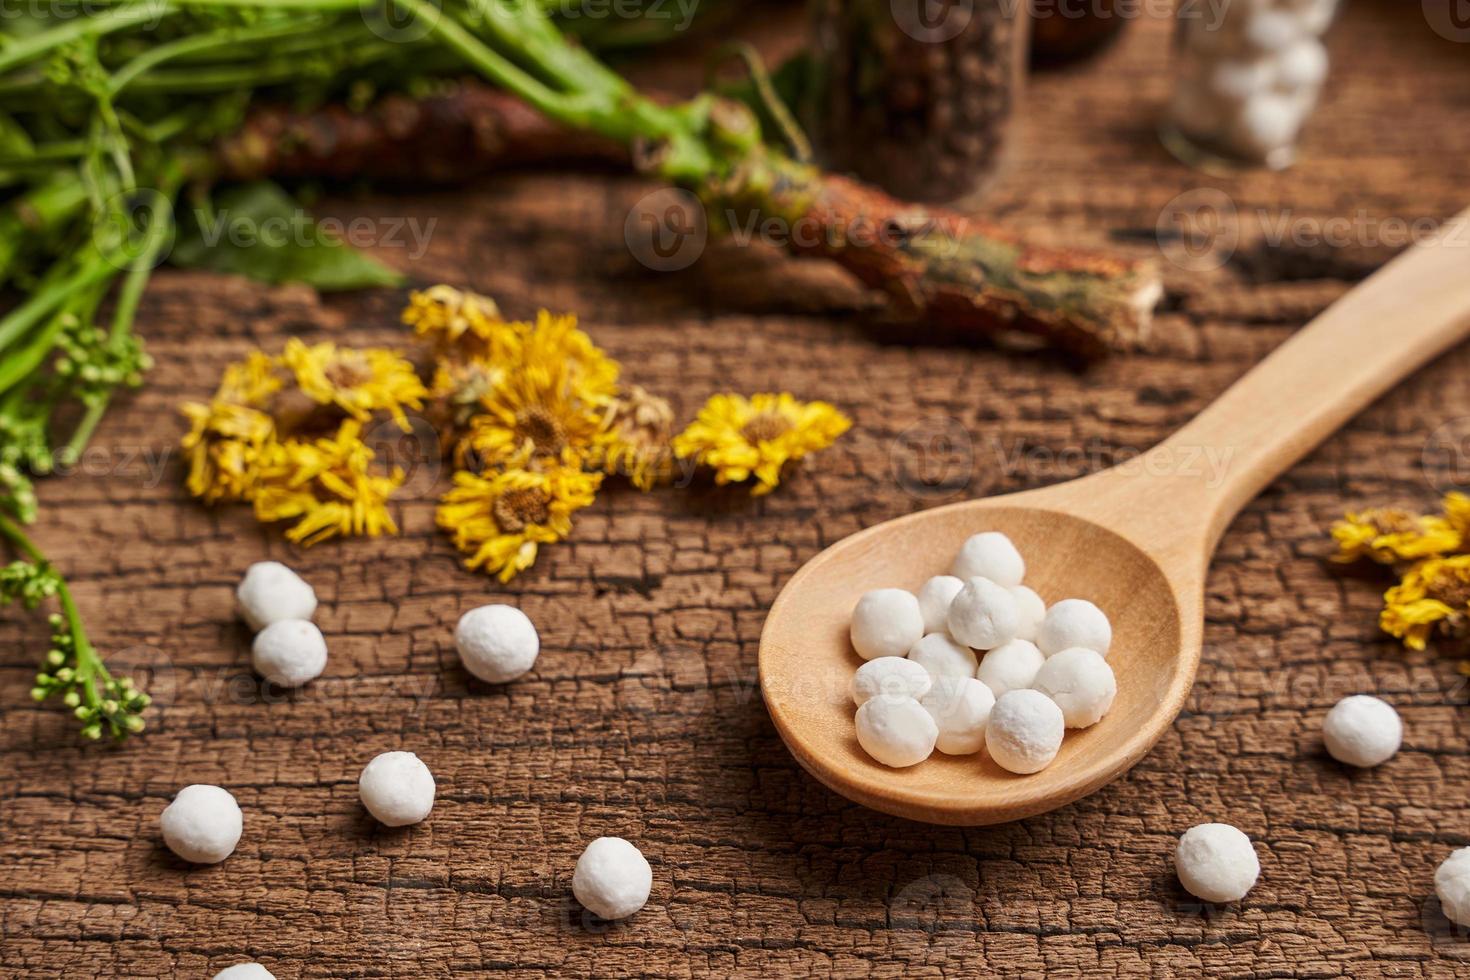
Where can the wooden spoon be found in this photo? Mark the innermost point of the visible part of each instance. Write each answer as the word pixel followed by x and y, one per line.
pixel 1135 539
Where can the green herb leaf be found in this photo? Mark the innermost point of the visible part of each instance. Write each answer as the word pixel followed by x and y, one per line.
pixel 258 230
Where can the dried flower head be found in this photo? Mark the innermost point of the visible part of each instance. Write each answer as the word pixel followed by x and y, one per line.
pixel 454 318
pixel 551 407
pixel 1434 594
pixel 642 429
pixel 357 381
pixel 501 520
pixel 226 445
pixel 1390 535
pixel 742 438
pixel 328 486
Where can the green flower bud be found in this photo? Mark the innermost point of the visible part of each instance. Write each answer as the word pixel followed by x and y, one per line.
pixel 82 712
pixel 55 658
pixel 72 699
pixel 39 693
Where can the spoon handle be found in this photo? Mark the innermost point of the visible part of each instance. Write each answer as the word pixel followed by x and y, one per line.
pixel 1408 312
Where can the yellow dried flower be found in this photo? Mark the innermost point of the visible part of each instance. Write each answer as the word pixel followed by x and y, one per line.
pixel 1389 535
pixel 1433 594
pixel 358 381
pixel 552 406
pixel 329 486
pixel 741 438
pixel 1457 513
pixel 252 381
pixel 462 320
pixel 642 428
pixel 225 446
pixel 501 521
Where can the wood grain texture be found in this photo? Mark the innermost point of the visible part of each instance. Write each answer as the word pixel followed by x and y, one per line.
pixel 643 718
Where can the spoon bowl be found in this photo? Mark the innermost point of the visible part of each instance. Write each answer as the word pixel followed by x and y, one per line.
pixel 1136 540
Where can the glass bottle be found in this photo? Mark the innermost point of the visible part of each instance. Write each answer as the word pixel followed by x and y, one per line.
pixel 1249 74
pixel 916 96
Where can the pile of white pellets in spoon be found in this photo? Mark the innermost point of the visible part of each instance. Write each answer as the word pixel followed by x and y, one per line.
pixel 976 661
pixel 1039 670
pixel 496 643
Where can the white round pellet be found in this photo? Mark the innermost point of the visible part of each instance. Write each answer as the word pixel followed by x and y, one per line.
pixel 397 789
pixel 943 657
pixel 895 677
pixel 1268 121
pixel 270 592
pixel 289 652
pixel 1025 731
pixel 245 971
pixel 1362 731
pixel 612 878
pixel 1032 610
pixel 1272 30
pixel 1012 667
pixel 984 615
pixel 1081 683
pixel 496 643
pixel 897 732
pixel 1216 862
pixel 991 555
pixel 1075 623
pixel 1302 66
pixel 935 596
pixel 1452 886
pixel 202 824
pixel 960 707
pixel 1237 81
pixel 885 623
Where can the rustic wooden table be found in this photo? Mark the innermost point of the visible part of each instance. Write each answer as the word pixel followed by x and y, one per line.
pixel 643 717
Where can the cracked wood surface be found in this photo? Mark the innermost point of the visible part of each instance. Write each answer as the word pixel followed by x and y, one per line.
pixel 643 718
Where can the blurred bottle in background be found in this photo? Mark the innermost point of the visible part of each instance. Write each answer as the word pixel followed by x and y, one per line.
pixel 1249 73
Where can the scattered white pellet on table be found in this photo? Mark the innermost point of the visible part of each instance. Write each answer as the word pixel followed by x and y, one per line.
pixel 612 878
pixel 984 615
pixel 1075 623
pixel 1011 667
pixel 934 597
pixel 960 707
pixel 397 789
pixel 896 677
pixel 1452 886
pixel 897 732
pixel 496 643
pixel 289 652
pixel 1216 862
pixel 1362 731
pixel 203 824
pixel 941 656
pixel 1025 731
pixel 245 971
pixel 886 623
pixel 270 592
pixel 1032 611
pixel 1081 683
pixel 990 555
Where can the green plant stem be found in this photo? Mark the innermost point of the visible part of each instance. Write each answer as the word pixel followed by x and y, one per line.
pixel 90 670
pixel 117 19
